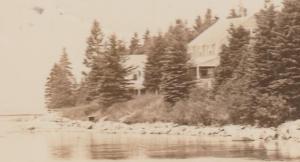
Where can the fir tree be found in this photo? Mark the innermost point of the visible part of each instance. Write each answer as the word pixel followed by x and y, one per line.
pixel 208 17
pixel 60 85
pixel 94 45
pixel 134 47
pixel 201 25
pixel 287 52
pixel 147 42
pixel 94 61
pixel 50 86
pixel 176 81
pixel 114 85
pixel 233 14
pixel 153 69
pixel 146 37
pixel 231 55
pixel 65 64
pixel 198 27
pixel 264 69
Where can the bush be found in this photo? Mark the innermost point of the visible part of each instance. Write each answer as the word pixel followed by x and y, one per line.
pixel 79 112
pixel 271 110
pixel 145 108
pixel 199 109
pixel 254 108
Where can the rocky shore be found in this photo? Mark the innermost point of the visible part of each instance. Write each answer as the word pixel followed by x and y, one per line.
pixel 286 131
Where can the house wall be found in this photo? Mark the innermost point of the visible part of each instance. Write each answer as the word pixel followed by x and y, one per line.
pixel 204 50
pixel 137 75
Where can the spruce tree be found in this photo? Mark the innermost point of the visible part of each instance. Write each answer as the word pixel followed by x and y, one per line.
pixel 147 42
pixel 176 81
pixel 134 47
pixel 65 64
pixel 153 68
pixel 208 17
pixel 233 14
pixel 60 85
pixel 202 25
pixel 50 86
pixel 94 61
pixel 94 45
pixel 287 52
pixel 231 55
pixel 114 84
pixel 198 27
pixel 264 71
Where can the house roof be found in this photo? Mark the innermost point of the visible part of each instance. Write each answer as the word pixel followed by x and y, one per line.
pixel 137 61
pixel 217 34
pixel 218 31
pixel 208 60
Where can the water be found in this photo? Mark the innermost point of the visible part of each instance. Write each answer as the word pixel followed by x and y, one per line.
pixel 18 146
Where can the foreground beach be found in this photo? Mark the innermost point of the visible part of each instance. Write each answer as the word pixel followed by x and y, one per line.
pixel 288 131
pixel 61 139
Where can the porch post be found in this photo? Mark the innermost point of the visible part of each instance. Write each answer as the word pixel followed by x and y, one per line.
pixel 197 73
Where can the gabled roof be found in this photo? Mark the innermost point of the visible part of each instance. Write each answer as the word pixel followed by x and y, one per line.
pixel 218 32
pixel 208 61
pixel 138 61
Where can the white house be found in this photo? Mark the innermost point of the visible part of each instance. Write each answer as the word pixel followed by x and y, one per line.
pixel 138 73
pixel 204 50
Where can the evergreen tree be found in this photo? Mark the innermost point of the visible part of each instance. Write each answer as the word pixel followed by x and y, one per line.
pixel 60 85
pixel 287 52
pixel 264 70
pixel 233 14
pixel 65 65
pixel 176 81
pixel 94 61
pixel 208 17
pixel 198 27
pixel 231 55
pixel 114 84
pixel 153 69
pixel 81 93
pixel 146 37
pixel 94 45
pixel 147 42
pixel 50 86
pixel 134 47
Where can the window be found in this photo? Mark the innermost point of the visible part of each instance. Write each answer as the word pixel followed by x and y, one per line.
pixel 134 77
pixel 213 48
pixel 205 72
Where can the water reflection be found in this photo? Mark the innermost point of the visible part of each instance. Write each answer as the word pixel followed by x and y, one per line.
pixel 60 147
pixel 107 150
pixel 63 152
pixel 85 146
pixel 116 147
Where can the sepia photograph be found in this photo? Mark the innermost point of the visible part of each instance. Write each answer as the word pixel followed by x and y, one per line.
pixel 150 81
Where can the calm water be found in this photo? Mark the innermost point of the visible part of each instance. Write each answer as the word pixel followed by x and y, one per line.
pixel 85 146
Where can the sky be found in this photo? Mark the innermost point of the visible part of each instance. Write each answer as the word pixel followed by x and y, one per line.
pixel 33 33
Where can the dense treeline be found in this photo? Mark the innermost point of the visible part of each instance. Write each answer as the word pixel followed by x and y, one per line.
pixel 256 83
pixel 105 80
pixel 263 75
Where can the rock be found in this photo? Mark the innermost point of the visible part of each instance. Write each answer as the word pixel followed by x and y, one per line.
pixel 90 127
pixel 31 128
pixel 243 139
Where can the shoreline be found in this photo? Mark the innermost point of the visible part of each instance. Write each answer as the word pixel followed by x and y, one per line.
pixel 289 131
